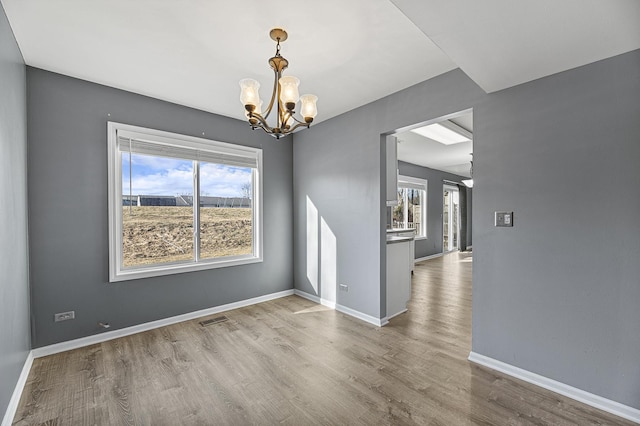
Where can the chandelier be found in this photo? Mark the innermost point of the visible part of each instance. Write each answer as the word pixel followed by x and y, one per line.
pixel 283 99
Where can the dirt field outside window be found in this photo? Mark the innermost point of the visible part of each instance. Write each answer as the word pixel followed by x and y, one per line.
pixel 153 235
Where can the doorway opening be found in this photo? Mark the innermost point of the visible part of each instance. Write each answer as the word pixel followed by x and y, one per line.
pixel 450 219
pixel 439 152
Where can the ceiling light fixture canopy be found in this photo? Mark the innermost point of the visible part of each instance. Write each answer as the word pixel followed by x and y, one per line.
pixel 284 97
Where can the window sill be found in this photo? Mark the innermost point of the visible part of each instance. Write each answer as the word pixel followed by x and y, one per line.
pixel 420 238
pixel 172 269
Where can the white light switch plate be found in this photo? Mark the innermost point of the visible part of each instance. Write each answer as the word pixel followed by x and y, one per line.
pixel 504 219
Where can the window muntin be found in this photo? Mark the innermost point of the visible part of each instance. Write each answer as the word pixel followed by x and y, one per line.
pixel 411 210
pixel 163 186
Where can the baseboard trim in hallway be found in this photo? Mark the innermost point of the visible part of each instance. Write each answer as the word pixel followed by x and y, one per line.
pixel 588 398
pixel 433 256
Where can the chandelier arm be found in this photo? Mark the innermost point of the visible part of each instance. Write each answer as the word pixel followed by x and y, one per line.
pixel 285 116
pixel 273 94
pixel 282 111
pixel 268 130
pixel 262 122
pixel 291 130
pixel 298 121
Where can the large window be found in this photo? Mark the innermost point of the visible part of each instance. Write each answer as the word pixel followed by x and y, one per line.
pixel 179 203
pixel 411 210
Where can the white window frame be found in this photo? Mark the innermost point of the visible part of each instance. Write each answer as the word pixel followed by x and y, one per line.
pixel 116 270
pixel 411 182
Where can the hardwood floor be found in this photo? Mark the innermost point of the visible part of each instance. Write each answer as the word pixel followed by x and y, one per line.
pixel 294 362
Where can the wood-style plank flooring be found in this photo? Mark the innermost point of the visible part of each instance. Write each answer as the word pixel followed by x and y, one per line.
pixel 294 362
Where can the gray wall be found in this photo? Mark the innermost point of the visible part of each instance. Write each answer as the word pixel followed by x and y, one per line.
pixel 558 293
pixel 14 263
pixel 67 124
pixel 433 243
pixel 338 165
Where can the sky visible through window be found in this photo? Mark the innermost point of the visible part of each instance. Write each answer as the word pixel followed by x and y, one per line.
pixel 153 175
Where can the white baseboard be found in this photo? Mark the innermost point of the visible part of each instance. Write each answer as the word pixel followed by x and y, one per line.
pixel 361 316
pixel 395 315
pixel 109 335
pixel 588 398
pixel 17 392
pixel 315 299
pixel 340 308
pixel 433 256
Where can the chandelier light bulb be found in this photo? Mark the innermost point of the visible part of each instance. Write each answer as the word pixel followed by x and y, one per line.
pixel 249 94
pixel 308 110
pixel 289 90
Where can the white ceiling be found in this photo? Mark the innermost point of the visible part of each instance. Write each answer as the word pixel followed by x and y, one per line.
pixel 420 150
pixel 349 53
pixel 194 53
pixel 502 43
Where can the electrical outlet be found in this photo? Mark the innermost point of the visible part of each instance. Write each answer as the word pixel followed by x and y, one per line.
pixel 344 287
pixel 64 316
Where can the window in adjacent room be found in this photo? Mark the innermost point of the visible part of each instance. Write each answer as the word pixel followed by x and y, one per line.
pixel 411 211
pixel 179 203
